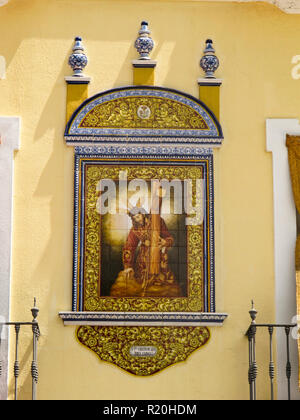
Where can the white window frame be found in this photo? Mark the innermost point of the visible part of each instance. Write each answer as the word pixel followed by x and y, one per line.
pixel 10 141
pixel 285 234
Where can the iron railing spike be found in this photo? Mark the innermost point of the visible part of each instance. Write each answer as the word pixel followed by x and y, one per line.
pixel 34 366
pixel 253 369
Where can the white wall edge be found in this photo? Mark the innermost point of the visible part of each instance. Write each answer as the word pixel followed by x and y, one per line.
pixel 2 67
pixel 285 234
pixel 10 141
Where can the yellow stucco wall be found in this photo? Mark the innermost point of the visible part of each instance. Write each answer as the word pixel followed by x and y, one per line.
pixel 255 43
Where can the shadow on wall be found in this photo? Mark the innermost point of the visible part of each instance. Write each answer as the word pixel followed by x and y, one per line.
pixel 24 357
pixel 115 41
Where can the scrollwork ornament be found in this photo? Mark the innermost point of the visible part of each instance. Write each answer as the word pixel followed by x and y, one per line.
pixel 171 345
pixel 138 112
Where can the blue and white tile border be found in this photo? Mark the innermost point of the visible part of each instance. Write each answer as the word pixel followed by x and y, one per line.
pixel 146 151
pixel 194 319
pixel 82 153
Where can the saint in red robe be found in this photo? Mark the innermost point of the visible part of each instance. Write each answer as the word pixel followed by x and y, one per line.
pixel 138 277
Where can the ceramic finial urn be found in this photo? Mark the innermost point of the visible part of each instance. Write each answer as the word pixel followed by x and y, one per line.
pixel 144 43
pixel 78 60
pixel 209 62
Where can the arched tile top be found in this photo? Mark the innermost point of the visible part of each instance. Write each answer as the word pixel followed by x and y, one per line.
pixel 138 114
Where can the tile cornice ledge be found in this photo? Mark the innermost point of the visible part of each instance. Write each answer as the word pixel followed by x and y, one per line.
pixel 144 318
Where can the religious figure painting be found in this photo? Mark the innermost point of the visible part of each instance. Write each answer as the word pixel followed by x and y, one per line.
pixel 144 252
pixel 143 235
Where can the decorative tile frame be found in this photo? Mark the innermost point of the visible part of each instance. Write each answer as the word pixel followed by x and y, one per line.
pixel 84 161
pixel 151 146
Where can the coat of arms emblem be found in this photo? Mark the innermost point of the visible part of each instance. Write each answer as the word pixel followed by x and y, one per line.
pixel 143 112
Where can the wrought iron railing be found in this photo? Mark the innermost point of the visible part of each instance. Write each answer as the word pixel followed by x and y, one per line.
pixel 34 366
pixel 253 370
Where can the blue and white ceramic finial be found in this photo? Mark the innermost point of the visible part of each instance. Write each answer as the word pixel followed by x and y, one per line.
pixel 78 60
pixel 144 43
pixel 209 62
